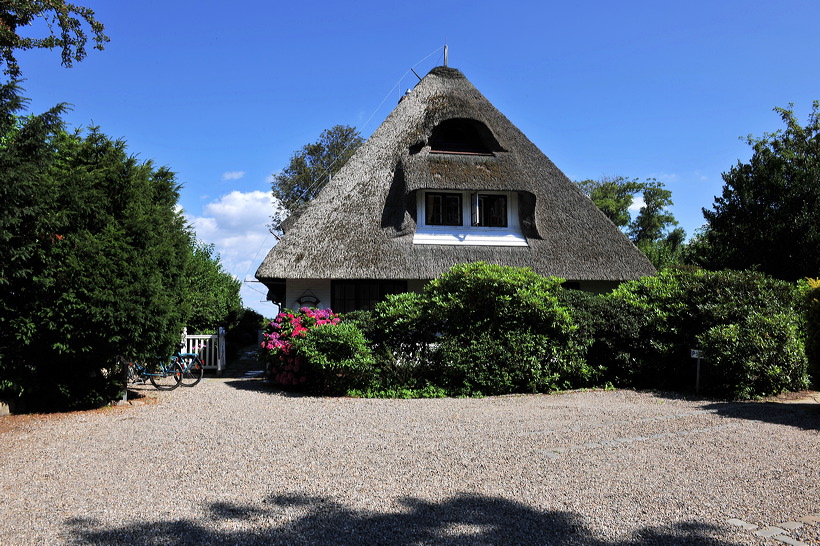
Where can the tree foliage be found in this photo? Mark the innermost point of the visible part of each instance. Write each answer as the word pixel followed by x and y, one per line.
pixel 614 195
pixel 213 293
pixel 768 215
pixel 654 218
pixel 652 230
pixel 95 259
pixel 312 166
pixel 746 324
pixel 66 29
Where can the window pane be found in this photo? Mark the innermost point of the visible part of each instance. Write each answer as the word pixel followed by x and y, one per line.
pixel 368 295
pixel 344 297
pixel 497 213
pixel 355 295
pixel 442 209
pixel 490 211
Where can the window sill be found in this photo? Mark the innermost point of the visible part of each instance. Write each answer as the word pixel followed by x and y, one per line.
pixel 468 237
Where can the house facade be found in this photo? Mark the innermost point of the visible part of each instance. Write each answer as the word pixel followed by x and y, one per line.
pixel 445 179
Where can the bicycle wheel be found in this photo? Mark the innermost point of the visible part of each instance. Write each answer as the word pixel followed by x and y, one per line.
pixel 166 376
pixel 192 370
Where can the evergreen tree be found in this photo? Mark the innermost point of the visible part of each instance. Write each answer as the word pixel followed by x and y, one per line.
pixel 96 261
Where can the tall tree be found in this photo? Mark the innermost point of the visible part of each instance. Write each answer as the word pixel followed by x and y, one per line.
pixel 614 195
pixel 65 23
pixel 654 218
pixel 768 215
pixel 312 166
pixel 213 293
pixel 96 260
pixel 652 230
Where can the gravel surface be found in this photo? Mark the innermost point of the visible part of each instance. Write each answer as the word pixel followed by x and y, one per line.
pixel 231 461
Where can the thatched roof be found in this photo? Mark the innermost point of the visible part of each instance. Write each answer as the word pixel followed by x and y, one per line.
pixel 361 225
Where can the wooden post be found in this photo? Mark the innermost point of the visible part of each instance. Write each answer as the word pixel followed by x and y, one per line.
pixel 124 380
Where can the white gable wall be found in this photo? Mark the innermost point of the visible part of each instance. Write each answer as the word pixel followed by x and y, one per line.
pixel 296 288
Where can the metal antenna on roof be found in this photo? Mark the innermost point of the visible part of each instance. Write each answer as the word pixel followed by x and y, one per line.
pixel 445 54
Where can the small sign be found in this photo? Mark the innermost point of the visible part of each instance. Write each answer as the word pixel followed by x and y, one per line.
pixel 696 353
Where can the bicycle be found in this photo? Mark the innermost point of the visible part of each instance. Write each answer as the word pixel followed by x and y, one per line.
pixel 164 376
pixel 192 366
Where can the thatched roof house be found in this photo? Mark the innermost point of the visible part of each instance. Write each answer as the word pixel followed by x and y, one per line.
pixel 446 179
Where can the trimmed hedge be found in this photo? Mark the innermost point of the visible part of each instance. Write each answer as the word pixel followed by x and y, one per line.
pixel 336 358
pixel 483 329
pixel 747 324
pixel 500 330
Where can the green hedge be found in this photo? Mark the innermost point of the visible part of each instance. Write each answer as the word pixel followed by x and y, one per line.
pixel 483 329
pixel 336 358
pixel 748 324
pixel 503 330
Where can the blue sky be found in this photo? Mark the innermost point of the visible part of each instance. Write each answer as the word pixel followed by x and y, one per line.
pixel 223 93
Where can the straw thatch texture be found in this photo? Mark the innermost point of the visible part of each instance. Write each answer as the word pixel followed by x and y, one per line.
pixel 361 225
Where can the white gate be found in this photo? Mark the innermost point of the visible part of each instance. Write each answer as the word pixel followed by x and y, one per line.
pixel 209 347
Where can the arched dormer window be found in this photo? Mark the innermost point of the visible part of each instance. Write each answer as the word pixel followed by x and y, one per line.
pixel 462 136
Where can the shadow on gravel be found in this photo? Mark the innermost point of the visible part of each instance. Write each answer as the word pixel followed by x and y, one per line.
pixel 261 385
pixel 255 385
pixel 465 519
pixel 804 416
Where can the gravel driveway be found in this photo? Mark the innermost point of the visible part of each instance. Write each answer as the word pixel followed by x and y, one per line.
pixel 231 461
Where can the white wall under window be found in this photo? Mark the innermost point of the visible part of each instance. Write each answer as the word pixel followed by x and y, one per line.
pixel 467 233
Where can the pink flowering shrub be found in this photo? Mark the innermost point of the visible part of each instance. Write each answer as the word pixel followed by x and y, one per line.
pixel 284 366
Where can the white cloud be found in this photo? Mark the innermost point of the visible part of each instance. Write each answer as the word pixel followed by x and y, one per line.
pixel 236 224
pixel 239 209
pixel 666 178
pixel 701 176
pixel 637 204
pixel 233 175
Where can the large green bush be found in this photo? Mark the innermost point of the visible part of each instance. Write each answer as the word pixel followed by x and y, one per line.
pixel 400 339
pixel 403 326
pixel 758 355
pixel 680 310
pixel 510 361
pixel 501 330
pixel 336 358
pixel 477 329
pixel 612 332
pixel 483 329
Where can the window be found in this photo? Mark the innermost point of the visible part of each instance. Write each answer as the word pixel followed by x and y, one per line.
pixel 487 218
pixel 353 295
pixel 489 210
pixel 442 209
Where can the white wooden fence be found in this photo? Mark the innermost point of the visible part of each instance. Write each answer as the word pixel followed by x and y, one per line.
pixel 210 348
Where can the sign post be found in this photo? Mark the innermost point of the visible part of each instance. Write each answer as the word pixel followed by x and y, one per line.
pixel 697 353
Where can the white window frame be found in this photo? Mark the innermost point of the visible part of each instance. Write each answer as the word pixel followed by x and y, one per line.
pixel 467 233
